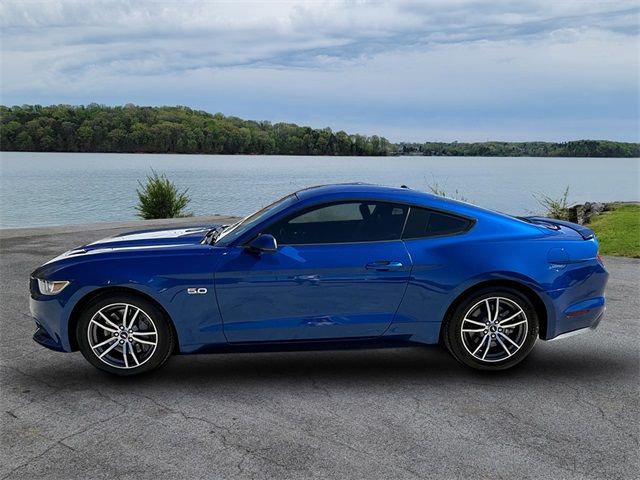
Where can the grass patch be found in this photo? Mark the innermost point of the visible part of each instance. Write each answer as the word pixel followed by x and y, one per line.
pixel 619 230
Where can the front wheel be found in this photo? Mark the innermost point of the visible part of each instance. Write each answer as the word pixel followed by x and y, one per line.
pixel 124 334
pixel 493 329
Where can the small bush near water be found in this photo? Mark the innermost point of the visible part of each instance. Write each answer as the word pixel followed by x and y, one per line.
pixel 436 189
pixel 160 198
pixel 555 207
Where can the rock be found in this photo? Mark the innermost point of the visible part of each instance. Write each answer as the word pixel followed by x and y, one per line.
pixel 581 213
pixel 576 213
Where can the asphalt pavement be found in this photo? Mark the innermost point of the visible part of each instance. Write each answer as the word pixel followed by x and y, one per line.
pixel 569 411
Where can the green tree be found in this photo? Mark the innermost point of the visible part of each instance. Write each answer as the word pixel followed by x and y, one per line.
pixel 131 128
pixel 24 142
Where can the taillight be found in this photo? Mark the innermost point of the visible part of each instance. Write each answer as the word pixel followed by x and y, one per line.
pixel 599 259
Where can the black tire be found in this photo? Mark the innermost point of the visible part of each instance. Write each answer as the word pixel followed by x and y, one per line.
pixel 149 315
pixel 472 311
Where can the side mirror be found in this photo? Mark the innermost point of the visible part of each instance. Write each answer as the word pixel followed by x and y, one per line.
pixel 264 243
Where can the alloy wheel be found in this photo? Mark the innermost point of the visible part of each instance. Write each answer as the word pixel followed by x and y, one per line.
pixel 122 335
pixel 494 329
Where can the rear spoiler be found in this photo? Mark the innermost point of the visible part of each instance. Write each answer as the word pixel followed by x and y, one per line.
pixel 585 232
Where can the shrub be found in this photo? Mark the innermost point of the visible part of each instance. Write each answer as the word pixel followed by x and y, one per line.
pixel 435 188
pixel 555 207
pixel 160 198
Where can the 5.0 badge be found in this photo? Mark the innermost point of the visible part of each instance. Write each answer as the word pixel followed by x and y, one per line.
pixel 196 291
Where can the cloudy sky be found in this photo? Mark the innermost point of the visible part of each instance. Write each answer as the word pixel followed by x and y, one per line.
pixel 409 70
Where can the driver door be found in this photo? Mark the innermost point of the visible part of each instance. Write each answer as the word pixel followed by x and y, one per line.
pixel 340 271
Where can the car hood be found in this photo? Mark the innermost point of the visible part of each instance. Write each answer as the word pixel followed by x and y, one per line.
pixel 139 240
pixel 148 238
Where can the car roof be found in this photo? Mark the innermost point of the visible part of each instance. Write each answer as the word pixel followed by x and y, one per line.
pixel 371 191
pixel 366 189
pixel 402 194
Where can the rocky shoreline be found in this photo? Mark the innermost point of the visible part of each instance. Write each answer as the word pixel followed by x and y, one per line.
pixel 582 213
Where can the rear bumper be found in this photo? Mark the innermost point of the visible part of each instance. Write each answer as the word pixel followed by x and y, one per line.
pixel 578 316
pixel 579 331
pixel 579 303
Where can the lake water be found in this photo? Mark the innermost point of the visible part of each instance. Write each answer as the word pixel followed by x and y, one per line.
pixel 40 189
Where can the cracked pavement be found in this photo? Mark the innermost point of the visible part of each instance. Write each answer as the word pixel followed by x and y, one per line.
pixel 569 411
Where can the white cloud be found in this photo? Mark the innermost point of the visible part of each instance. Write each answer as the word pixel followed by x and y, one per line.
pixel 335 62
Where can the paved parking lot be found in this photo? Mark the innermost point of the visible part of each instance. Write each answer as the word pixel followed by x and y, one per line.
pixel 569 411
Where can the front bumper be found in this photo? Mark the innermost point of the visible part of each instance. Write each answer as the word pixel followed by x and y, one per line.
pixel 43 338
pixel 51 325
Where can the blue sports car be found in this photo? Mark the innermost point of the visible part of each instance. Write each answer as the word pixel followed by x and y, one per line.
pixel 336 266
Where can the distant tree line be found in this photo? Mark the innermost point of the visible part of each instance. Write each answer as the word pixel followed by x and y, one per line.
pixel 135 129
pixel 578 148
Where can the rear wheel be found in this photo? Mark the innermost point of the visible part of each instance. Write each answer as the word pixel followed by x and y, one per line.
pixel 493 329
pixel 124 335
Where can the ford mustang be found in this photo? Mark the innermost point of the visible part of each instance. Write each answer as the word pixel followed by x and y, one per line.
pixel 328 267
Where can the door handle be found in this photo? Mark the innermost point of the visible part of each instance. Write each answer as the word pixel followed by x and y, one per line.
pixel 383 265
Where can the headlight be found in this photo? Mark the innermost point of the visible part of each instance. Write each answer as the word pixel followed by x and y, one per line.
pixel 48 287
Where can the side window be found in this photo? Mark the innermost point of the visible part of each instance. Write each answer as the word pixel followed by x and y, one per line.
pixel 428 223
pixel 340 212
pixel 346 222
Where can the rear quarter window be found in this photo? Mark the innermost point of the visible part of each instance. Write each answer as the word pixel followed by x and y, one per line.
pixel 423 223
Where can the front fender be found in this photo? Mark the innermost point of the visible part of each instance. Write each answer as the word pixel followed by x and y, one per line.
pixel 163 278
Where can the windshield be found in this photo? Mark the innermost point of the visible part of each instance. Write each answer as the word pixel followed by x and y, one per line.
pixel 234 231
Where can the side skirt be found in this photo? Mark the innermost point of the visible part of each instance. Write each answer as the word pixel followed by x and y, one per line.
pixel 297 346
